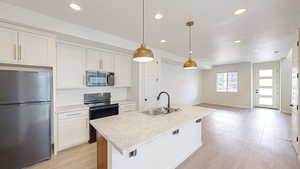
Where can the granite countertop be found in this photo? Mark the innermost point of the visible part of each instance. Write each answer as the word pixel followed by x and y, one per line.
pixel 68 108
pixel 126 132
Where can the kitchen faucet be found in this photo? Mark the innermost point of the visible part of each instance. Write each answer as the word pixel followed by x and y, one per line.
pixel 158 97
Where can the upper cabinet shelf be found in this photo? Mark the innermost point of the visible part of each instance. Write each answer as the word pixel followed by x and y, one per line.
pixel 73 61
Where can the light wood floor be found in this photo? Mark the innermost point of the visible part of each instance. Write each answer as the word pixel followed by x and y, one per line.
pixel 233 139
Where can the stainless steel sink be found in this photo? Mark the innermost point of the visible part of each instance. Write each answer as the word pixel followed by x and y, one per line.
pixel 160 110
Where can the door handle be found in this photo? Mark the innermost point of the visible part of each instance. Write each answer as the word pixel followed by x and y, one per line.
pixel 291 105
pixel 257 91
pixel 146 99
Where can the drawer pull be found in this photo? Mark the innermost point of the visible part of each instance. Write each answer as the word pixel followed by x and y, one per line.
pixel 175 132
pixel 133 153
pixel 198 121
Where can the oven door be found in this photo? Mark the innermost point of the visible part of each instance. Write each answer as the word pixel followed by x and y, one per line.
pixel 94 78
pixel 101 112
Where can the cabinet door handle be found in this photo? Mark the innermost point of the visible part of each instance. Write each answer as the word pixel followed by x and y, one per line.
pixel 15 51
pixel 83 80
pixel 87 123
pixel 175 132
pixel 20 52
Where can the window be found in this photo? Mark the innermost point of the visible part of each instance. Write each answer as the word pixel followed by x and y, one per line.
pixel 227 82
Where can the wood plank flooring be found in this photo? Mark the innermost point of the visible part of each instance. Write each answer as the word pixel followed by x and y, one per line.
pixel 232 139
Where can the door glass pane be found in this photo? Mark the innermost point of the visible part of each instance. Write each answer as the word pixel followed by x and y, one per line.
pixel 265 82
pixel 265 92
pixel 266 101
pixel 266 73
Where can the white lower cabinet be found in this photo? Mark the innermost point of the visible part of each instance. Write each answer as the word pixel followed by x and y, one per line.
pixel 166 151
pixel 73 129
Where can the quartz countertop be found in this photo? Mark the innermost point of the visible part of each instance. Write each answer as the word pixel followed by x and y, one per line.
pixel 126 132
pixel 68 108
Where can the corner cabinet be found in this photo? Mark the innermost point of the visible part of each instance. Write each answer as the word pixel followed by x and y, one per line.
pixel 19 47
pixel 70 66
pixel 123 71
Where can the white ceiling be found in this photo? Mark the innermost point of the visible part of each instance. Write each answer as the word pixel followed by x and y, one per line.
pixel 267 26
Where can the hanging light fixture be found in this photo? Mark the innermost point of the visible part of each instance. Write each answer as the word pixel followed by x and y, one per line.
pixel 190 64
pixel 143 54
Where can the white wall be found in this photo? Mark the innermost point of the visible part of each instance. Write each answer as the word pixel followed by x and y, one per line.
pixel 286 83
pixel 75 96
pixel 184 86
pixel 242 98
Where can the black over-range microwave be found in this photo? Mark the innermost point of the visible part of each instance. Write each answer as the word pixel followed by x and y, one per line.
pixel 97 78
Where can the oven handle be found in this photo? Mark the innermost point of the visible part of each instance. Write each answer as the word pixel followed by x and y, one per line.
pixel 103 107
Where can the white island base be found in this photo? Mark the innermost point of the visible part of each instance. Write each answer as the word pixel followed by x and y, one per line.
pixel 165 151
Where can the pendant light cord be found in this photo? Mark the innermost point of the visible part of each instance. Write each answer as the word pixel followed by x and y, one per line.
pixel 143 21
pixel 190 41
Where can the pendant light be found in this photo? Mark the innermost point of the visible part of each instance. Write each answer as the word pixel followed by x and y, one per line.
pixel 190 64
pixel 143 54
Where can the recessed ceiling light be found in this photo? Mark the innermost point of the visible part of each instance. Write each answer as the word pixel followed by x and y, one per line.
pixel 158 16
pixel 163 41
pixel 237 41
pixel 75 7
pixel 240 11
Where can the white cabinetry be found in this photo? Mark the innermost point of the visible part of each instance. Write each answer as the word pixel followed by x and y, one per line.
pixel 73 129
pixel 19 47
pixel 70 66
pixel 97 60
pixel 127 106
pixel 8 45
pixel 33 49
pixel 108 62
pixel 166 151
pixel 123 65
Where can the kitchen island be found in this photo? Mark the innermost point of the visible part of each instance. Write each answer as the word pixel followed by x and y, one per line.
pixel 135 140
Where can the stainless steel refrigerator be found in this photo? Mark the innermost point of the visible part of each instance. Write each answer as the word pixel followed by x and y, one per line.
pixel 25 118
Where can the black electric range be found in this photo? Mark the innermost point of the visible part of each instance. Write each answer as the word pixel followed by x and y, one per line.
pixel 99 107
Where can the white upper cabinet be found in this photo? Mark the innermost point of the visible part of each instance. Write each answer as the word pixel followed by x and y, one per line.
pixel 94 60
pixel 70 66
pixel 99 61
pixel 8 45
pixel 108 62
pixel 18 47
pixel 33 49
pixel 123 67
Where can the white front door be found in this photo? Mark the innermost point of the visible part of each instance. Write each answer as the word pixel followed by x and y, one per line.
pixel 266 84
pixel 295 98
